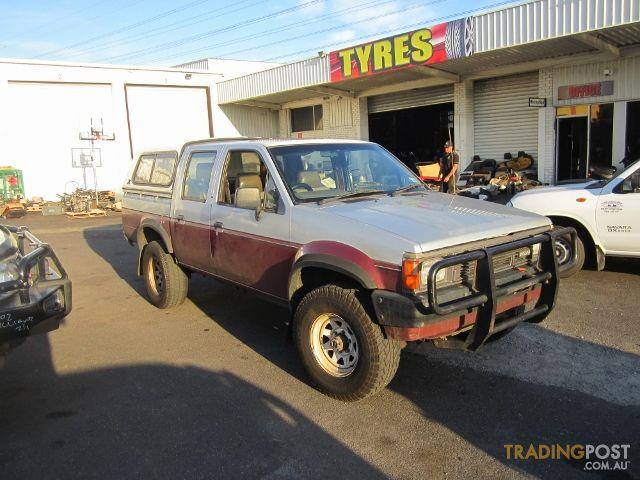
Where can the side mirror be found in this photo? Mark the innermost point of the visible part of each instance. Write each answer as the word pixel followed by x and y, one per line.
pixel 248 197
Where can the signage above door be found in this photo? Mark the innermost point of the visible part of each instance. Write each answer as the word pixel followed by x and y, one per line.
pixel 597 89
pixel 537 102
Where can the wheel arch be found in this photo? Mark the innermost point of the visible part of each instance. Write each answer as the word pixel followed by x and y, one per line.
pixel 149 231
pixel 592 248
pixel 320 263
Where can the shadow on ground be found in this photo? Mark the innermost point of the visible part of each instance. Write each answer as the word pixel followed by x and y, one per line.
pixel 153 421
pixel 485 408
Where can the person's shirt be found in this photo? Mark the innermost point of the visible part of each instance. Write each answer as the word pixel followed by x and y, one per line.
pixel 447 162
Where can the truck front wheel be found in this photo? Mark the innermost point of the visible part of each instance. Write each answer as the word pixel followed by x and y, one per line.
pixel 165 281
pixel 342 349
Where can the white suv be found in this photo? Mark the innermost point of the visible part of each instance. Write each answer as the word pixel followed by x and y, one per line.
pixel 606 215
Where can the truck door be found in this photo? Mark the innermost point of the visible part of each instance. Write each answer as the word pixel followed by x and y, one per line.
pixel 253 252
pixel 190 227
pixel 618 215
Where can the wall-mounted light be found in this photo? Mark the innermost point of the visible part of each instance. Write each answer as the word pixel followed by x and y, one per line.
pixel 607 72
pixel 187 76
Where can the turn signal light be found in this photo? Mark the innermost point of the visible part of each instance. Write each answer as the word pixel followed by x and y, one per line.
pixel 581 199
pixel 411 274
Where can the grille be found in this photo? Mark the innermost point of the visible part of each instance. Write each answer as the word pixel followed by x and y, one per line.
pixel 512 259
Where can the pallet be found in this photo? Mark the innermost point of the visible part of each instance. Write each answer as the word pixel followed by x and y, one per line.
pixel 96 212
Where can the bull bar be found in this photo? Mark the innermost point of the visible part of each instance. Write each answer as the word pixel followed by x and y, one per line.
pixel 426 309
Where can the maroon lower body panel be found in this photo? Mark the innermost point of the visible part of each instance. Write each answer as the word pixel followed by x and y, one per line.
pixel 192 245
pixel 261 263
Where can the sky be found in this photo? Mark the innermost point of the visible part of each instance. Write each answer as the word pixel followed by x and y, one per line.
pixel 167 33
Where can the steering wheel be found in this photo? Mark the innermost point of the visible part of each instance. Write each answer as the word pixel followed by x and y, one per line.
pixel 303 186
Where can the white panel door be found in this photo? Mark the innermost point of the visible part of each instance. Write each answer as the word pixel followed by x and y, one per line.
pixel 45 120
pixel 163 118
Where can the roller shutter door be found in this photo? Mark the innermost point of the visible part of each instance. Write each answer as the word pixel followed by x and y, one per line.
pixel 410 99
pixel 503 120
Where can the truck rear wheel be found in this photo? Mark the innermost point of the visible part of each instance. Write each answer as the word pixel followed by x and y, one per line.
pixel 342 350
pixel 165 281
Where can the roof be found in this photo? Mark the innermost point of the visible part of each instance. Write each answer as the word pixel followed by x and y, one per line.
pixel 549 30
pixel 272 142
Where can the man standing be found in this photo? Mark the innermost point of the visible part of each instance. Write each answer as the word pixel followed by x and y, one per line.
pixel 449 164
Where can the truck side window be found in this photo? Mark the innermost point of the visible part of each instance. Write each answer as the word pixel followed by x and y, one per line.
pixel 163 169
pixel 242 169
pixel 156 169
pixel 632 183
pixel 198 176
pixel 144 168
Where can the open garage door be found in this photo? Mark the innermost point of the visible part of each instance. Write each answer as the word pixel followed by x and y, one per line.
pixel 43 125
pixel 412 124
pixel 165 117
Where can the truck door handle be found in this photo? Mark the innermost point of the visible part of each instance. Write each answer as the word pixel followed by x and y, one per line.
pixel 218 226
pixel 180 218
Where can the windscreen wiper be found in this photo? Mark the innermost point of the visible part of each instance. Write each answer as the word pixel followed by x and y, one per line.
pixel 406 189
pixel 350 195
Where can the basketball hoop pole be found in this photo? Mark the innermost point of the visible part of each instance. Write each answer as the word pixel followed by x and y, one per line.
pixel 95 133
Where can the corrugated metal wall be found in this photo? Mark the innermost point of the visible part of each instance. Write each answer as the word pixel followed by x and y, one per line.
pixel 546 19
pixel 251 121
pixel 625 74
pixel 340 114
pixel 503 120
pixel 196 65
pixel 411 99
pixel 306 73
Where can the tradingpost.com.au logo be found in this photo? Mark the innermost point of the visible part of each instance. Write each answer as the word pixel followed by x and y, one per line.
pixel 600 457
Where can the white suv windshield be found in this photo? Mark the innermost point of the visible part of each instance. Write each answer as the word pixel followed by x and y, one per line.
pixel 316 172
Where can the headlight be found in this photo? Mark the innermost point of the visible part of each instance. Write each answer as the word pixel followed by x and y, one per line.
pixel 8 271
pixel 415 274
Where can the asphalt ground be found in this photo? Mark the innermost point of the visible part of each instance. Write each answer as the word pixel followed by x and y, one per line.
pixel 212 389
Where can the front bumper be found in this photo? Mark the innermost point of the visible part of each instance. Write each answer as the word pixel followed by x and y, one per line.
pixel 38 299
pixel 489 310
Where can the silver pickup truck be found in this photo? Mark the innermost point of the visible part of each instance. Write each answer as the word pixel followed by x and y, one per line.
pixel 348 238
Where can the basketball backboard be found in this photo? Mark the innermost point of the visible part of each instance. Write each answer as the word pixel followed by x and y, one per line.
pixel 86 157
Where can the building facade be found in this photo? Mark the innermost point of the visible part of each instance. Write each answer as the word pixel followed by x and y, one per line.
pixel 556 79
pixel 49 109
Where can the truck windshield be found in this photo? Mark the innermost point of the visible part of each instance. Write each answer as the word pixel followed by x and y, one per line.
pixel 322 171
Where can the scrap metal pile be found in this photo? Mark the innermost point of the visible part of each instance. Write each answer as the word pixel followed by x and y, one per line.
pixel 487 178
pixel 86 202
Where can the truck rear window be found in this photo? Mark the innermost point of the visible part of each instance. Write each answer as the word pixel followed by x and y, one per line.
pixel 156 169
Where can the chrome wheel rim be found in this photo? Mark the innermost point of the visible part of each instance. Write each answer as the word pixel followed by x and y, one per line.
pixel 155 276
pixel 334 345
pixel 563 250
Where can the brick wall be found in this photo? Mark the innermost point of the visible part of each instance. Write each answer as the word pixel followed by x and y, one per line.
pixel 546 128
pixel 463 121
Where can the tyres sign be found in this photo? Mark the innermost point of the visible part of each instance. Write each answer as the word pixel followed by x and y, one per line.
pixel 436 44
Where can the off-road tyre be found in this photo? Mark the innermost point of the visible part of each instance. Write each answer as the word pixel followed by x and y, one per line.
pixel 378 357
pixel 170 290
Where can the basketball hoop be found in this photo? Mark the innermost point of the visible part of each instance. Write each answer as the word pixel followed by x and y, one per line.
pixel 96 133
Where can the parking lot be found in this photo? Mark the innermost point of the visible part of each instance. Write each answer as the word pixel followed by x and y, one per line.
pixel 213 389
